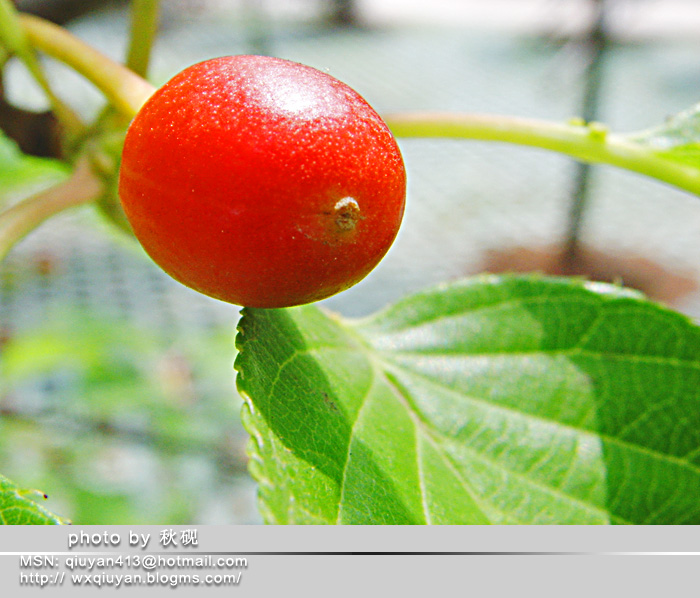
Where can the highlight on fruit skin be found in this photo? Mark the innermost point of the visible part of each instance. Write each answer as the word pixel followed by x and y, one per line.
pixel 262 182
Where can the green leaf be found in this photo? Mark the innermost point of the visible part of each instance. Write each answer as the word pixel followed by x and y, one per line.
pixel 19 171
pixel 677 139
pixel 17 507
pixel 517 400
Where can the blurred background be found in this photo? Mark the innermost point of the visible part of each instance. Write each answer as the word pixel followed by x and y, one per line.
pixel 117 393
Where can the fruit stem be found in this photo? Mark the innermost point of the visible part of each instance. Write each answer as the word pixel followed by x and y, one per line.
pixel 144 27
pixel 83 186
pixel 588 142
pixel 125 90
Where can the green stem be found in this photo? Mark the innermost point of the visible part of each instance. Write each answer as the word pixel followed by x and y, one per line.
pixel 144 27
pixel 16 42
pixel 589 143
pixel 82 187
pixel 125 90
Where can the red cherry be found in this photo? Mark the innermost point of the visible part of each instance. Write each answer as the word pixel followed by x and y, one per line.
pixel 262 182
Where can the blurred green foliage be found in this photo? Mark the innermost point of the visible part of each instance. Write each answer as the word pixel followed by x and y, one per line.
pixel 19 174
pixel 112 421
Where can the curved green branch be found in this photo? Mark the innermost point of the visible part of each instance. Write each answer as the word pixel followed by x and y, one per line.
pixel 15 42
pixel 124 89
pixel 82 187
pixel 586 142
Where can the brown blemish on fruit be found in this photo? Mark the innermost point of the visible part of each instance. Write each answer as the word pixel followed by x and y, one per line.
pixel 347 213
pixel 335 224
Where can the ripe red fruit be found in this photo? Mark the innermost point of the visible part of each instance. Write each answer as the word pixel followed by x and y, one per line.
pixel 262 182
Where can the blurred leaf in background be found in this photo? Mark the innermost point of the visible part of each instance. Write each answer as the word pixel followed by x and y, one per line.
pixel 21 174
pixel 122 425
